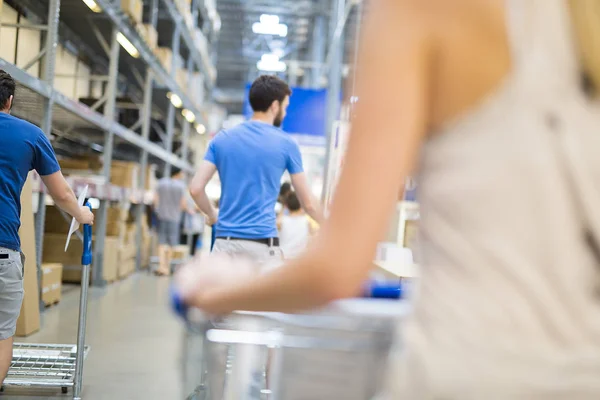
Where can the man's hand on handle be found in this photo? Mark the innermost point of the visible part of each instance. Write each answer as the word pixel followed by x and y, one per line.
pixel 85 216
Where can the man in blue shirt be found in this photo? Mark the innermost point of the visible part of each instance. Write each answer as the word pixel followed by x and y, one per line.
pixel 23 147
pixel 251 158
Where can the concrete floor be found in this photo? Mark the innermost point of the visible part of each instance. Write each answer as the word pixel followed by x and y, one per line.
pixel 135 342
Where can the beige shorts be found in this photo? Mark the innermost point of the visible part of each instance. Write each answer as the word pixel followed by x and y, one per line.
pixel 11 291
pixel 266 257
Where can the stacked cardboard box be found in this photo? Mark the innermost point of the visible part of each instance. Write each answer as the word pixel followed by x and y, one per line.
pixel 51 283
pixel 115 221
pixel 149 34
pixel 181 252
pixel 147 236
pixel 127 253
pixel 85 163
pixel 151 180
pixel 182 78
pixel 29 319
pixel 125 174
pixel 54 245
pixel 165 56
pixel 134 9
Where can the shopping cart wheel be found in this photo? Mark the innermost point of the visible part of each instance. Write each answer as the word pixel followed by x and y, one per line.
pixel 64 389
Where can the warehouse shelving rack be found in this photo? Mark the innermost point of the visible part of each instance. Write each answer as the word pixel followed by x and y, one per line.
pixel 39 102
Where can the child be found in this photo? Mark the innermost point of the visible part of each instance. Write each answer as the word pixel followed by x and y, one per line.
pixel 294 228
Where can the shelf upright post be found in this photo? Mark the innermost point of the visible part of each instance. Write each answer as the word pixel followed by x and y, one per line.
pixel 140 211
pixel 49 61
pixel 318 51
pixel 109 138
pixel 334 83
pixel 171 112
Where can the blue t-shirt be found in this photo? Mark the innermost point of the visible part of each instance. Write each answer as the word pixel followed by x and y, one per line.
pixel 23 147
pixel 251 159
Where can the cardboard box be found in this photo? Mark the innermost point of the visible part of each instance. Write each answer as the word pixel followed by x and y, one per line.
pixel 125 174
pixel 51 283
pixel 126 268
pixel 182 79
pixel 55 222
pixel 181 252
pixel 54 245
pixel 29 319
pixel 151 180
pixel 133 8
pixel 149 34
pixel 165 56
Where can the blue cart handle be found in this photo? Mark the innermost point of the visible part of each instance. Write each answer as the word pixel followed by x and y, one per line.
pixel 86 258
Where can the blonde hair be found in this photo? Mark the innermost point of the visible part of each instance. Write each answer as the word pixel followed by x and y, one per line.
pixel 586 21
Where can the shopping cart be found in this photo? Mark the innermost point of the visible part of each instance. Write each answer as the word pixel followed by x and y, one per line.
pixel 55 365
pixel 339 352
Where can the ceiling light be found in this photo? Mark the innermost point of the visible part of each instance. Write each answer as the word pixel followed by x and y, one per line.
pixel 201 129
pixel 175 100
pixel 127 45
pixel 269 25
pixel 188 115
pixel 271 63
pixel 93 6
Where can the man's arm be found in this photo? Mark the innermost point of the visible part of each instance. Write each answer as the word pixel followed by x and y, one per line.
pixel 307 200
pixel 64 198
pixel 198 190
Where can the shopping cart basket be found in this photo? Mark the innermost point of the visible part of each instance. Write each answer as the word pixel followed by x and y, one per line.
pixel 339 352
pixel 55 365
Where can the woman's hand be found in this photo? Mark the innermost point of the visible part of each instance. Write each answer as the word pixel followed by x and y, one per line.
pixel 209 272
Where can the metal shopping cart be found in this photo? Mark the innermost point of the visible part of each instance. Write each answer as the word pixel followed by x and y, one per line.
pixel 339 352
pixel 55 365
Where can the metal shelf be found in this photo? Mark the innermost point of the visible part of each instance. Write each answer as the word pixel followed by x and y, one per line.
pixel 201 58
pixel 98 188
pixel 123 24
pixel 71 114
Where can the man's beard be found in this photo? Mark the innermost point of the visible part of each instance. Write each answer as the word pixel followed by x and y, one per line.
pixel 278 120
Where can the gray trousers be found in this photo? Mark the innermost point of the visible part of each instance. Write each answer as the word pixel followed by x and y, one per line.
pixel 264 256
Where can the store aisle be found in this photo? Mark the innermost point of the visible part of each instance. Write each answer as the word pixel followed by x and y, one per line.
pixel 135 341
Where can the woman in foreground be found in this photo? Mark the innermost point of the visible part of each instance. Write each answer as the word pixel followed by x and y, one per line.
pixel 484 100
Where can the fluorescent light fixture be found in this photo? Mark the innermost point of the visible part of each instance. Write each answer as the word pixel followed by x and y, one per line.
pixel 175 100
pixel 188 115
pixel 271 63
pixel 93 6
pixel 269 19
pixel 269 25
pixel 201 129
pixel 127 45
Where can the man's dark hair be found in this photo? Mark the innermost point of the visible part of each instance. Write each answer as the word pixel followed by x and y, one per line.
pixel 292 202
pixel 265 90
pixel 7 88
pixel 175 171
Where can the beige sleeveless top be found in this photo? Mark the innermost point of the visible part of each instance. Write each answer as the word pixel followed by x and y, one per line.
pixel 509 300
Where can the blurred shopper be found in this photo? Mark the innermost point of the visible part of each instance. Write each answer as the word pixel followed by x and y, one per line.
pixel 284 190
pixel 294 228
pixel 193 226
pixel 251 159
pixel 23 147
pixel 487 96
pixel 170 202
